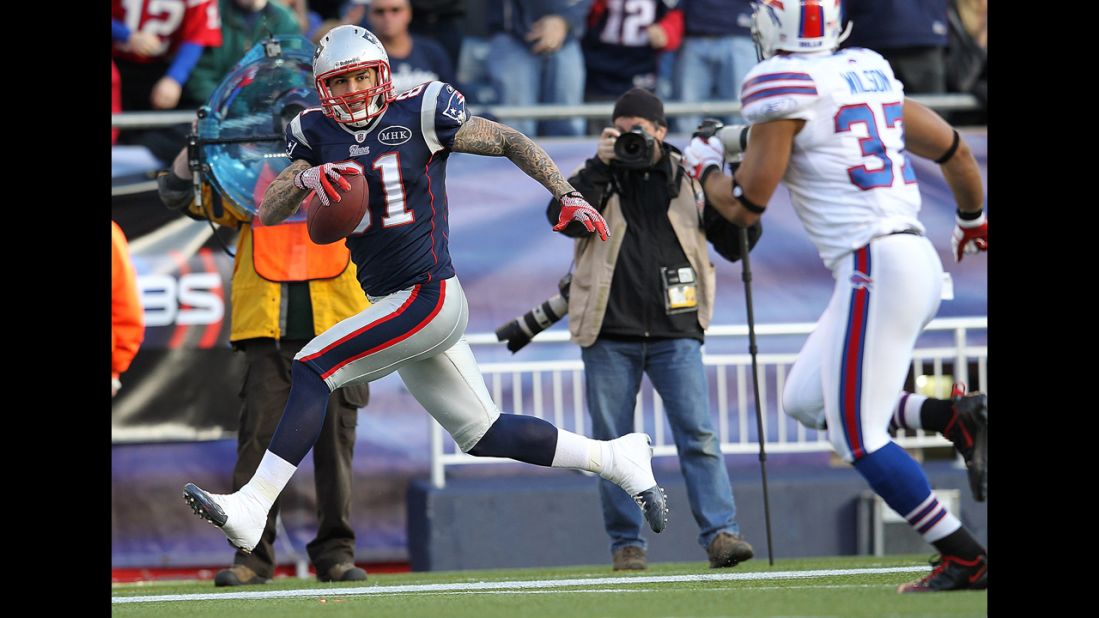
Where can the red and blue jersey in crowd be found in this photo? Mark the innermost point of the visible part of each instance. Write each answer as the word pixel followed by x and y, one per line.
pixel 174 22
pixel 402 239
pixel 618 54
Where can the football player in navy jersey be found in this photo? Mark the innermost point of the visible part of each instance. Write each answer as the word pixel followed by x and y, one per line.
pixel 416 322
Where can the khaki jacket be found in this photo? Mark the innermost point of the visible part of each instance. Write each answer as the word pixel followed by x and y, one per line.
pixel 595 261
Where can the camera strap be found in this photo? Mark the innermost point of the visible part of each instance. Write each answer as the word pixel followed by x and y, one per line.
pixel 612 188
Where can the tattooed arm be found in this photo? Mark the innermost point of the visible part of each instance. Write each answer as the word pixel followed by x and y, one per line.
pixel 485 137
pixel 282 198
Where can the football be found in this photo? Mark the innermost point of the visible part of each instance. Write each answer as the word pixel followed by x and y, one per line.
pixel 329 224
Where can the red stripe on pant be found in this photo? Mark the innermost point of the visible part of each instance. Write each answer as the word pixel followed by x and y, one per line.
pixel 852 355
pixel 427 320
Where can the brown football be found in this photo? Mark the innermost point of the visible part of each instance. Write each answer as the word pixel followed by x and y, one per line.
pixel 329 224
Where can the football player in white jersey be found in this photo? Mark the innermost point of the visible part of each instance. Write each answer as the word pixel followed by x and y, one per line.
pixel 836 128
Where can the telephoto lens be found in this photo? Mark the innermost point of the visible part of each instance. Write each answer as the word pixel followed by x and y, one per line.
pixel 519 331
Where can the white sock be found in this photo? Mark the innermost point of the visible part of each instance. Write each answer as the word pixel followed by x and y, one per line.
pixel 270 478
pixel 579 452
pixel 907 412
pixel 931 520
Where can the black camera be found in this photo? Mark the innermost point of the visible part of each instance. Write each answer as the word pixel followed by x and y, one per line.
pixel 519 331
pixel 634 149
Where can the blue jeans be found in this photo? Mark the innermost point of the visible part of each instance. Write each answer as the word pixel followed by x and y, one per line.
pixel 523 78
pixel 612 373
pixel 711 69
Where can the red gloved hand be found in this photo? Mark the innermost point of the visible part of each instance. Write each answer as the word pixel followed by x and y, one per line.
pixel 575 208
pixel 318 180
pixel 970 236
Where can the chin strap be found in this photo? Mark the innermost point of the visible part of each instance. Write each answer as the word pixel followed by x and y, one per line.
pixel 846 33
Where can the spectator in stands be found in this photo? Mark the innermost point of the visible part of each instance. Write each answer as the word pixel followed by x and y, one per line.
pixel 328 9
pixel 910 34
pixel 622 47
pixel 127 314
pixel 639 306
pixel 717 53
pixel 473 75
pixel 152 76
pixel 276 309
pixel 243 24
pixel 413 59
pixel 967 58
pixel 307 19
pixel 535 58
pixel 441 20
pixel 116 98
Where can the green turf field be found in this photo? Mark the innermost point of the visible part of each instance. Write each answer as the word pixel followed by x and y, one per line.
pixel 843 587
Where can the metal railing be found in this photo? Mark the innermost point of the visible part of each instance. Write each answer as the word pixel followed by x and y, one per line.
pixel 520 388
pixel 940 102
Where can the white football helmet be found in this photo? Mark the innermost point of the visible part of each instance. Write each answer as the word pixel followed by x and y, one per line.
pixel 349 49
pixel 797 26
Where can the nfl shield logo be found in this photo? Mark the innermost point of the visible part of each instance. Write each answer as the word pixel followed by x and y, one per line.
pixel 360 136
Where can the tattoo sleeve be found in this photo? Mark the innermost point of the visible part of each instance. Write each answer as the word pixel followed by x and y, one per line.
pixel 485 137
pixel 282 198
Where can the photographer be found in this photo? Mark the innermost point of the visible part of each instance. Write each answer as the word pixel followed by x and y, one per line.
pixel 640 303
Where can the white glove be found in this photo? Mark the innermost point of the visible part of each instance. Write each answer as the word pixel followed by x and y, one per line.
pixel 115 385
pixel 701 154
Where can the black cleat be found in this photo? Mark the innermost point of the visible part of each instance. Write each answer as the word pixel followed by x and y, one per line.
pixel 968 430
pixel 654 504
pixel 952 573
pixel 239 516
pixel 203 505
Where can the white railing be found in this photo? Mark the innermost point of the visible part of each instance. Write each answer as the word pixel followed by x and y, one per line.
pixel 940 102
pixel 521 388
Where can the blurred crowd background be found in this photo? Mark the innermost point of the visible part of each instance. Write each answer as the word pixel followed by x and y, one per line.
pixel 170 54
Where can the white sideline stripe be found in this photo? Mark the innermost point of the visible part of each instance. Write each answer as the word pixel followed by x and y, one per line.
pixel 514 585
pixel 617 590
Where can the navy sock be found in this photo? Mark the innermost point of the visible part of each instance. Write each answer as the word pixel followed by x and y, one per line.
pixel 896 477
pixel 303 417
pixel 936 414
pixel 522 438
pixel 959 543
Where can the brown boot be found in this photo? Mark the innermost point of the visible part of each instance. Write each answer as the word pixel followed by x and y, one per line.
pixel 238 575
pixel 629 558
pixel 343 572
pixel 727 549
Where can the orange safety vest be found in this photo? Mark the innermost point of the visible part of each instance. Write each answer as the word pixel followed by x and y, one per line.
pixel 257 300
pixel 284 252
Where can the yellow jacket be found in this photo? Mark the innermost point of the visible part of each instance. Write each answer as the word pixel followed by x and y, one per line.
pixel 257 302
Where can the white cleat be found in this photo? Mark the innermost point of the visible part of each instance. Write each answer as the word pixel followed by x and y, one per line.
pixel 238 515
pixel 630 467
